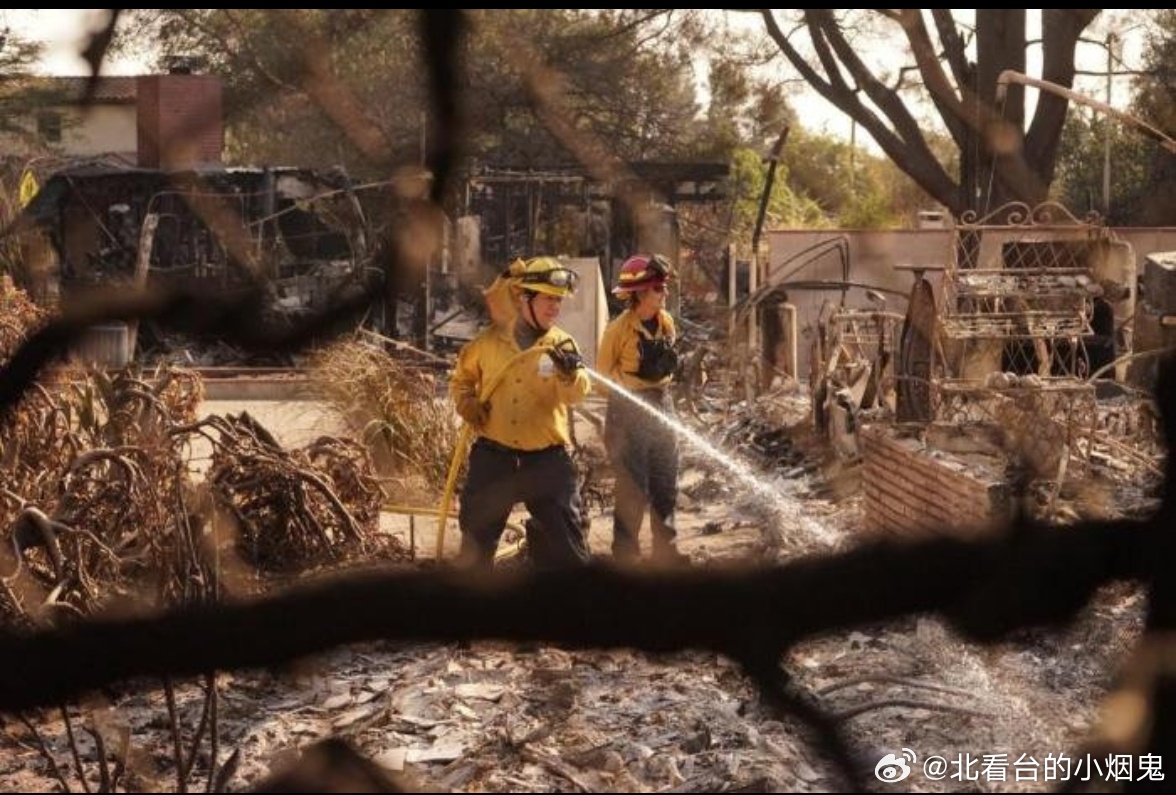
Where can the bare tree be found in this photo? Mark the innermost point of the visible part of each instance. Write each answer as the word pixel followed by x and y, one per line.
pixel 1000 159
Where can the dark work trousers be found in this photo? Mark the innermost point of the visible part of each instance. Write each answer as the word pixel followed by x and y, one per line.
pixel 545 481
pixel 644 455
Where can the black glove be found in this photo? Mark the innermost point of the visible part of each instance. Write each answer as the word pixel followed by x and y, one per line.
pixel 566 358
pixel 658 359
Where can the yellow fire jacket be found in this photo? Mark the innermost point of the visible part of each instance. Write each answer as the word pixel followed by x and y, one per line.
pixel 618 357
pixel 528 408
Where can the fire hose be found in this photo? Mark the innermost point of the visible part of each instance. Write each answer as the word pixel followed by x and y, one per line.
pixel 463 441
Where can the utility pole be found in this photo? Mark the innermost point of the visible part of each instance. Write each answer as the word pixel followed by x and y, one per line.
pixel 1110 47
pixel 753 280
pixel 852 153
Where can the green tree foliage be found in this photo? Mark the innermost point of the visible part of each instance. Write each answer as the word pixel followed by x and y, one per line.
pixel 265 60
pixel 17 95
pixel 854 187
pixel 1155 100
pixel 1142 173
pixel 1155 103
pixel 707 229
pixel 17 54
pixel 1081 165
pixel 785 206
pixel 633 92
pixel 18 98
pixel 742 111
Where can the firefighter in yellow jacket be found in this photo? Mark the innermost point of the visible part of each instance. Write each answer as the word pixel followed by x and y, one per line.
pixel 637 352
pixel 513 384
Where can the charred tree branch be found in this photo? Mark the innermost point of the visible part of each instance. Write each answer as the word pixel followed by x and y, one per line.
pixel 1036 576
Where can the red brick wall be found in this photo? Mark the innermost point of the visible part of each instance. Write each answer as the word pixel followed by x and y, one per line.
pixel 909 492
pixel 179 121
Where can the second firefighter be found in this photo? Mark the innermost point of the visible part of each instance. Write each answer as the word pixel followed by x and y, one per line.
pixel 637 352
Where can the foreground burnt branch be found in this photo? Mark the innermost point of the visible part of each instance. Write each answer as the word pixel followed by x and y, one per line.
pixel 228 318
pixel 1038 575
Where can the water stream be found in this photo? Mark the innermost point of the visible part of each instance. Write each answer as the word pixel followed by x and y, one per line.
pixel 774 496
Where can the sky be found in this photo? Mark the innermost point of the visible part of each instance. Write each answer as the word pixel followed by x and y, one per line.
pixel 64 31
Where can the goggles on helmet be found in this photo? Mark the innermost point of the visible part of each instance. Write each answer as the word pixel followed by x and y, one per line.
pixel 643 273
pixel 561 278
pixel 659 267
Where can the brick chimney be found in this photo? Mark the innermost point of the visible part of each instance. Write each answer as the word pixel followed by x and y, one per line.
pixel 180 120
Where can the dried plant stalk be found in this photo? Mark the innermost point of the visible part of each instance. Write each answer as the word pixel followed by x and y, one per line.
pixel 409 427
